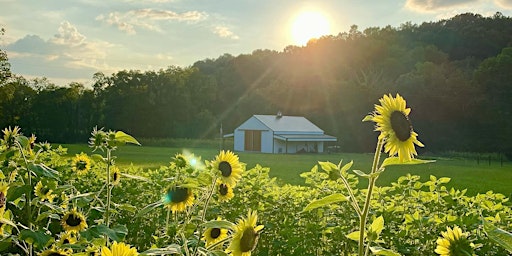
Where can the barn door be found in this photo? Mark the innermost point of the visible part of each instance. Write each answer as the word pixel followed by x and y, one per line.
pixel 252 140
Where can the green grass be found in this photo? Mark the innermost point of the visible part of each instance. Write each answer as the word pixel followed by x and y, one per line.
pixel 477 178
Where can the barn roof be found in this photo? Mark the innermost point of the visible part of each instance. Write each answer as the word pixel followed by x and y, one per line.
pixel 288 123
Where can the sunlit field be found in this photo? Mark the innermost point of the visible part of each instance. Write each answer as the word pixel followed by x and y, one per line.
pixel 464 173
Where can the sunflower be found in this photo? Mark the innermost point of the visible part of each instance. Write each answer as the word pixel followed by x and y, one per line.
pixel 115 175
pixel 10 136
pixel 214 235
pixel 392 120
pixel 119 249
pixel 66 238
pixel 225 191
pixel 43 192
pixel 3 194
pixel 246 236
pixel 55 252
pixel 179 161
pixel 453 243
pixel 81 163
pixel 73 221
pixel 178 198
pixel 229 167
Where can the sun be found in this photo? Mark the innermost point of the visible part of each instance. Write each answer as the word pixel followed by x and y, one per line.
pixel 308 25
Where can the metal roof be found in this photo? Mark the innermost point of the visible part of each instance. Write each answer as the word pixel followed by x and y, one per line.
pixel 305 137
pixel 288 123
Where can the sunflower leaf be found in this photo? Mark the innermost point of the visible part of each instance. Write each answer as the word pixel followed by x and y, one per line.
pixel 499 236
pixel 148 208
pixel 22 140
pixel 125 138
pixel 361 174
pixel 354 236
pixel 43 170
pixel 135 177
pixel 169 250
pixel 37 238
pixel 330 199
pixel 346 167
pixel 377 250
pixel 396 161
pixel 219 224
pixel 327 166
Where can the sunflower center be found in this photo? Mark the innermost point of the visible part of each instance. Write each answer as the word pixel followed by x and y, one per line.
pixel 225 168
pixel 178 195
pixel 223 189
pixel 248 240
pixel 116 176
pixel 73 220
pixel 2 199
pixel 81 165
pixel 55 254
pixel 215 233
pixel 401 125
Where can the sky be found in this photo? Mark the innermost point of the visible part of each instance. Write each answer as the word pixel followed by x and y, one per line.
pixel 70 40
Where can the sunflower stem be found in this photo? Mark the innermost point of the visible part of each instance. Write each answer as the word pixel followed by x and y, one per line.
pixel 366 207
pixel 29 193
pixel 107 211
pixel 203 217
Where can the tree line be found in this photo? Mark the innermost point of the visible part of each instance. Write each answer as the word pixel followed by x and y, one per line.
pixel 455 74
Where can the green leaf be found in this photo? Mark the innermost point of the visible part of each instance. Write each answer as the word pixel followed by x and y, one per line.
pixel 383 251
pixel 444 180
pixel 396 161
pixel 169 250
pixel 499 236
pixel 135 177
pixel 353 236
pixel 346 167
pixel 149 208
pixel 17 191
pixel 327 166
pixel 127 207
pixel 123 137
pixel 361 174
pixel 330 199
pixel 378 225
pixel 219 224
pixel 117 233
pixel 43 170
pixel 38 238
pixel 98 158
pixel 23 141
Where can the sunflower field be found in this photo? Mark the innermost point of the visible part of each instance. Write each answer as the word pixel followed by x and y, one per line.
pixel 53 204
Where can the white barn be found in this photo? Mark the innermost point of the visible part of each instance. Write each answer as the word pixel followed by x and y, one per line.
pixel 279 134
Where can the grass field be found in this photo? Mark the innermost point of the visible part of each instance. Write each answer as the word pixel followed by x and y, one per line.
pixel 477 178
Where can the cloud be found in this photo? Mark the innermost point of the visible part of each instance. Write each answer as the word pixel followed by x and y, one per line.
pixel 436 5
pixel 68 35
pixel 224 32
pixel 506 4
pixel 68 54
pixel 148 19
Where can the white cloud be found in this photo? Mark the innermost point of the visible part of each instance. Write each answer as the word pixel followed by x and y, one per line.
pixel 148 19
pixel 224 32
pixel 68 54
pixel 436 5
pixel 68 35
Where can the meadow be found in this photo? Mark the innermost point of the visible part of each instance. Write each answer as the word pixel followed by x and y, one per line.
pixel 465 173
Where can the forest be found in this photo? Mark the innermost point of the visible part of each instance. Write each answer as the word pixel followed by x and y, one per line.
pixel 456 75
